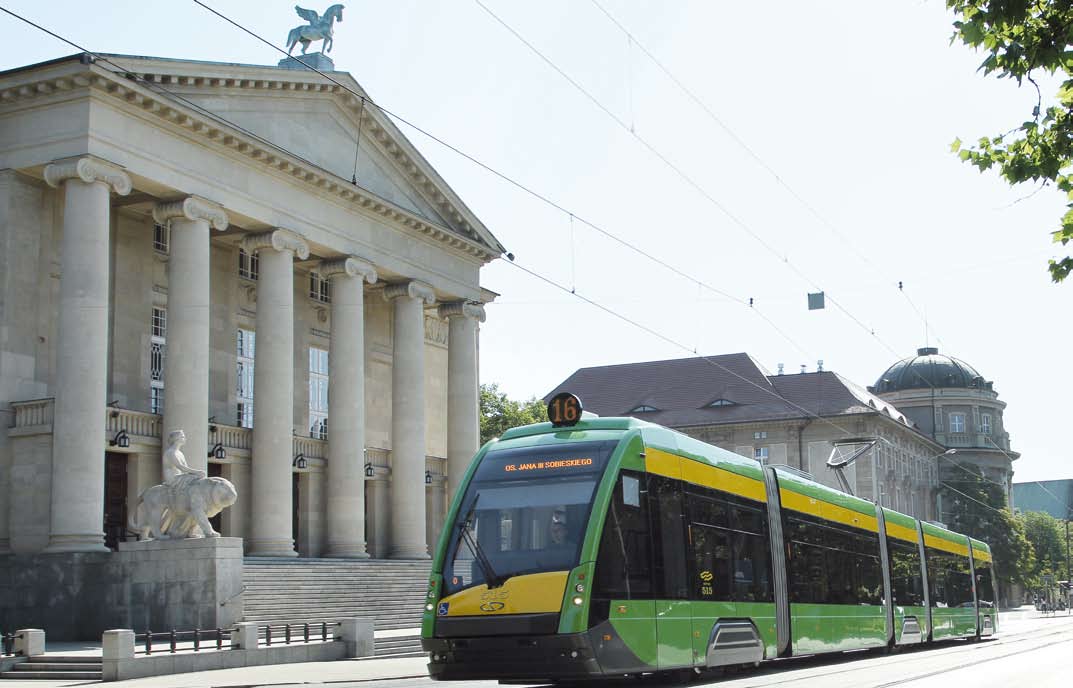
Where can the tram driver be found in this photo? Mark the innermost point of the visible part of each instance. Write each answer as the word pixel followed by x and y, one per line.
pixel 558 528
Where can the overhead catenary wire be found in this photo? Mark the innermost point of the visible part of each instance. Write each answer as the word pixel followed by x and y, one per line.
pixel 510 180
pixel 741 224
pixel 699 102
pixel 549 281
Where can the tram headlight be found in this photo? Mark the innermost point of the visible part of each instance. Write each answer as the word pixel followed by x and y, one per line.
pixel 429 607
pixel 579 600
pixel 579 587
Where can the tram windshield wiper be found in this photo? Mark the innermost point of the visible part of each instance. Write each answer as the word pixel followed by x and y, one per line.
pixel 491 578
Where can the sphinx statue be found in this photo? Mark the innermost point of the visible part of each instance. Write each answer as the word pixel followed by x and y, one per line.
pixel 182 505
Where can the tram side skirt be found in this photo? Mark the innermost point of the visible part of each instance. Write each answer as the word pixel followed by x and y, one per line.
pixel 778 562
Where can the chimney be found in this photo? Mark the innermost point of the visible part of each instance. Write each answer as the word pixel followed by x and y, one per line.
pixel 802 368
pixel 819 366
pixel 780 368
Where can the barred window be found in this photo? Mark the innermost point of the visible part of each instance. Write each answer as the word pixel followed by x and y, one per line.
pixel 245 351
pixel 161 238
pixel 248 265
pixel 320 289
pixel 318 393
pixel 157 333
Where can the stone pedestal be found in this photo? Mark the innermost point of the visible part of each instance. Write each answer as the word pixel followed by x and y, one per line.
pixel 318 61
pixel 160 585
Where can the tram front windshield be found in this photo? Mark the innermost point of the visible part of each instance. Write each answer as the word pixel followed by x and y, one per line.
pixel 525 511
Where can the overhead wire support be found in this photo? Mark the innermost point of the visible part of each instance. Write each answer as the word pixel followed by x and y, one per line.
pixel 741 224
pixel 699 102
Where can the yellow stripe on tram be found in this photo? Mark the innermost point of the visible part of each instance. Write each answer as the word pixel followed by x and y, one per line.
pixel 902 533
pixel 946 545
pixel 664 463
pixel 827 511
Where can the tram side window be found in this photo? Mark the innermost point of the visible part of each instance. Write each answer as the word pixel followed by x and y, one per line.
pixel 936 578
pixel 623 567
pixel 669 577
pixel 906 582
pixel 730 552
pixel 959 581
pixel 832 565
pixel 985 589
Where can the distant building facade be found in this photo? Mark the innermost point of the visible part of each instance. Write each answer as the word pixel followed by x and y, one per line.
pixel 948 400
pixel 1054 497
pixel 732 402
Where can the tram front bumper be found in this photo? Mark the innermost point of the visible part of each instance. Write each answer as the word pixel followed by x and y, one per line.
pixel 536 657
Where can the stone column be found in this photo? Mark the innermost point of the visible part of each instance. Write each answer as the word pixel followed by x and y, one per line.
pixel 346 406
pixel 463 391
pixel 78 437
pixel 186 363
pixel 273 388
pixel 408 419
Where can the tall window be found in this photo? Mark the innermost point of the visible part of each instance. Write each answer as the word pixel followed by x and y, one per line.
pixel 761 454
pixel 157 334
pixel 249 265
pixel 318 393
pixel 245 349
pixel 161 238
pixel 957 422
pixel 320 289
pixel 985 423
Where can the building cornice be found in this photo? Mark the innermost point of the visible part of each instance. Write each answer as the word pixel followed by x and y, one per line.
pixel 216 133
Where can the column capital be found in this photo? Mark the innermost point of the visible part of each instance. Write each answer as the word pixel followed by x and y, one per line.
pixel 279 239
pixel 88 169
pixel 412 289
pixel 191 208
pixel 462 309
pixel 351 266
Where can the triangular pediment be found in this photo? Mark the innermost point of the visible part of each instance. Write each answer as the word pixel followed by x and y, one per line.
pixel 326 125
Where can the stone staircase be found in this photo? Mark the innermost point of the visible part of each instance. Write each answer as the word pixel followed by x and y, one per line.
pixel 389 593
pixel 56 668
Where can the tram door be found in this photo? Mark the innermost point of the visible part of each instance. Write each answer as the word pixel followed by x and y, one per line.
pixel 673 612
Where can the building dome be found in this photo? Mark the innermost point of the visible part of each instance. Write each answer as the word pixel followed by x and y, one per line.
pixel 929 370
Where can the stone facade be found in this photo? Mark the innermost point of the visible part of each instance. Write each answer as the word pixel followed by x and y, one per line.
pixel 142 242
pixel 951 402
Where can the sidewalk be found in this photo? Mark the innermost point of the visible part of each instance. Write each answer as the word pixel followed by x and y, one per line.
pixel 340 671
pixel 345 670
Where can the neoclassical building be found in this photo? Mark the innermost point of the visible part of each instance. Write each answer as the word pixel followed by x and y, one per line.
pixel 794 420
pixel 252 254
pixel 951 402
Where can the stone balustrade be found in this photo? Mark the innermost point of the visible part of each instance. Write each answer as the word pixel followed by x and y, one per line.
pixel 33 413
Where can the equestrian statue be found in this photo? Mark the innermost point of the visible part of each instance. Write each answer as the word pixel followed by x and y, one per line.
pixel 182 506
pixel 319 29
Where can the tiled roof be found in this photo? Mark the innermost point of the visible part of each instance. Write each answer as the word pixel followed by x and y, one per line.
pixel 684 389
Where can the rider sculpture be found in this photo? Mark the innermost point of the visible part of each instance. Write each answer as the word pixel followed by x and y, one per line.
pixel 319 29
pixel 182 506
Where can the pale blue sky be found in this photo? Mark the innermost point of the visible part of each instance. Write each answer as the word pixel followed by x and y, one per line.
pixel 853 104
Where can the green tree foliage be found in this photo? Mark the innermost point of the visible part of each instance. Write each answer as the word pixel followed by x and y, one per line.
pixel 1048 537
pixel 498 413
pixel 977 507
pixel 1022 40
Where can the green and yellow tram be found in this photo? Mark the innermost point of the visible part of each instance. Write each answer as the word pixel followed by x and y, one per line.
pixel 615 546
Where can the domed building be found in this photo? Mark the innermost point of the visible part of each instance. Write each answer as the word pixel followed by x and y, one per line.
pixel 951 401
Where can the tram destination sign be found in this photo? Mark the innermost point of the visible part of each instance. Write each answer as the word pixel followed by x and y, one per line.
pixel 541 461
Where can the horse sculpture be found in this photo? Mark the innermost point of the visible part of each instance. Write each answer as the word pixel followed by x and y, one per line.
pixel 319 29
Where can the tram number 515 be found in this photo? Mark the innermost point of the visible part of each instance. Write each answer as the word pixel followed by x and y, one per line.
pixel 564 410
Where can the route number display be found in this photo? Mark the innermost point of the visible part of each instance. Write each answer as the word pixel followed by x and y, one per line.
pixel 564 410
